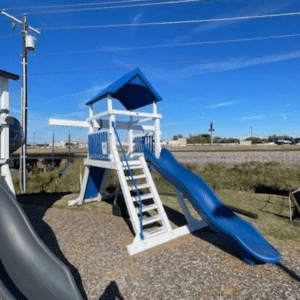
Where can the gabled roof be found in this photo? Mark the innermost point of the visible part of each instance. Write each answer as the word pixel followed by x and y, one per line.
pixel 9 75
pixel 133 90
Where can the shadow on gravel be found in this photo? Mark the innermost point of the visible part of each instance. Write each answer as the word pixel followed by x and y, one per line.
pixel 290 272
pixel 205 233
pixel 112 292
pixel 40 199
pixel 35 207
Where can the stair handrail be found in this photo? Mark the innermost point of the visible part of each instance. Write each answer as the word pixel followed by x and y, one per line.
pixel 133 181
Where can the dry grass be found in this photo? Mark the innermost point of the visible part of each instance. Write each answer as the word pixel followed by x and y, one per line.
pixel 258 147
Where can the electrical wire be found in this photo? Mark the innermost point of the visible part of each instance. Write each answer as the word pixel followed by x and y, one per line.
pixel 171 45
pixel 181 22
pixel 114 7
pixel 72 5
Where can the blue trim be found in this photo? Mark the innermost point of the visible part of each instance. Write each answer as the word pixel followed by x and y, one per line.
pixel 143 142
pixel 98 145
pixel 94 182
pixel 133 90
pixel 133 181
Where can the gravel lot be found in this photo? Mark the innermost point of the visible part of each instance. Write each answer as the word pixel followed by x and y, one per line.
pixel 93 243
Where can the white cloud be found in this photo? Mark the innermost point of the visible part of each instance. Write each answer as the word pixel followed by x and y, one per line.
pixel 253 118
pixel 80 98
pixel 136 20
pixel 226 65
pixel 230 103
pixel 273 7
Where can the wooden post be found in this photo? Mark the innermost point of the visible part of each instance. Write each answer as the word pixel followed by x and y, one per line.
pixel 4 89
pixel 111 119
pixel 157 133
pixel 130 136
pixel 91 113
pixel 4 113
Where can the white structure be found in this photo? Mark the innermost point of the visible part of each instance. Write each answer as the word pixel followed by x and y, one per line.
pixel 181 142
pixel 4 126
pixel 246 143
pixel 147 215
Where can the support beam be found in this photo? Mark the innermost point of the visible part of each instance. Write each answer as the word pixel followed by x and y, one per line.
pixel 124 113
pixel 4 115
pixel 68 123
pixel 157 133
pixel 91 113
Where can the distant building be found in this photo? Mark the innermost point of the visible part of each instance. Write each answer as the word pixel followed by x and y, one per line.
pixel 75 144
pixel 181 142
pixel 38 145
pixel 246 143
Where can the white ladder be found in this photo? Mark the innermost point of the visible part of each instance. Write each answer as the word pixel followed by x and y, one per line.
pixel 154 219
pixel 156 226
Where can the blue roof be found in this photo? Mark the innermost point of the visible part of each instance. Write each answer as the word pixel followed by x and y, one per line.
pixel 133 90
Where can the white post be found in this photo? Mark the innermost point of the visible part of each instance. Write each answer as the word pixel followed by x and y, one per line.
pixel 5 131
pixel 157 132
pixel 112 118
pixel 130 136
pixel 91 113
pixel 4 113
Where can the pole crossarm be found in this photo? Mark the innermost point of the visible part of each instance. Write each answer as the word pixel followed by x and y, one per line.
pixel 19 21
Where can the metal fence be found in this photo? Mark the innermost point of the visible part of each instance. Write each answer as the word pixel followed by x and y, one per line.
pixel 98 145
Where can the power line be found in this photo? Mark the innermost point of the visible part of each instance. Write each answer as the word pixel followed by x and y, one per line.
pixel 72 5
pixel 172 45
pixel 181 22
pixel 177 63
pixel 113 7
pixel 115 68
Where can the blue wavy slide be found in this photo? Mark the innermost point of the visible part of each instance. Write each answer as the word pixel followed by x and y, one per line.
pixel 234 231
pixel 31 270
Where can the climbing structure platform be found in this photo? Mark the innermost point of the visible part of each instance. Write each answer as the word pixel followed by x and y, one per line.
pixel 107 153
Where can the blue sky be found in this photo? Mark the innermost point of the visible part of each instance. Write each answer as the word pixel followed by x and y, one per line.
pixel 237 73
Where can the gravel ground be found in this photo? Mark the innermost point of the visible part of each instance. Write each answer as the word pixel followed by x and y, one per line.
pixel 93 244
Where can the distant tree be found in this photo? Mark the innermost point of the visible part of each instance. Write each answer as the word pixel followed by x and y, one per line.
pixel 176 137
pixel 217 140
pixel 230 140
pixel 255 140
pixel 199 139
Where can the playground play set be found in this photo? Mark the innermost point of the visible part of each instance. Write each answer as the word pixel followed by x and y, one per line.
pixel 24 256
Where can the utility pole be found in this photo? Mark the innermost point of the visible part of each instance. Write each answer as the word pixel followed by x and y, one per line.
pixel 211 129
pixel 53 155
pixel 28 43
pixel 34 140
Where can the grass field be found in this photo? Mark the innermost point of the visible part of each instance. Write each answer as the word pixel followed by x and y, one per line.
pixel 258 147
pixel 197 148
pixel 257 188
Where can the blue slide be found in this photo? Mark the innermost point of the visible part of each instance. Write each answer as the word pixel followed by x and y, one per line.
pixel 28 270
pixel 234 231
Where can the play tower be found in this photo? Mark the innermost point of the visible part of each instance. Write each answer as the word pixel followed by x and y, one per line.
pixel 106 153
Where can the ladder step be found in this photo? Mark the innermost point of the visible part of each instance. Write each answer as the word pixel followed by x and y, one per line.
pixel 143 197
pixel 135 177
pixel 132 167
pixel 152 219
pixel 147 208
pixel 155 232
pixel 139 186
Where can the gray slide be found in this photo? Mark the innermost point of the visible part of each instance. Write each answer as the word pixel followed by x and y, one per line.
pixel 33 269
